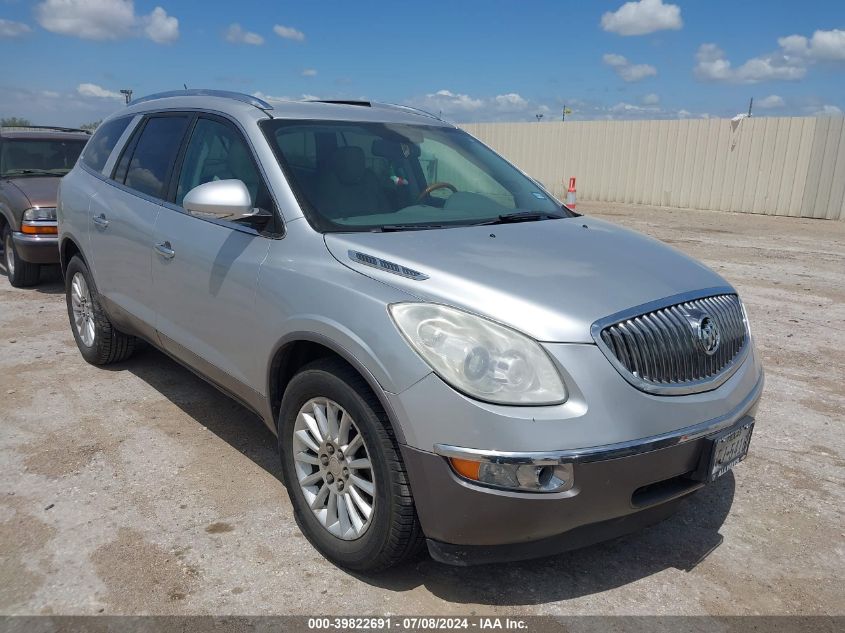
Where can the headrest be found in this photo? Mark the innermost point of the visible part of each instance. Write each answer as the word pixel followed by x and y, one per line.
pixel 348 164
pixel 395 150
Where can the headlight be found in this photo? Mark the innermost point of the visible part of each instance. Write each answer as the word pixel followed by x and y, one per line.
pixel 481 358
pixel 44 214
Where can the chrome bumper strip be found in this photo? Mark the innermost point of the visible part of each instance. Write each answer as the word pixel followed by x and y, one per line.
pixel 608 451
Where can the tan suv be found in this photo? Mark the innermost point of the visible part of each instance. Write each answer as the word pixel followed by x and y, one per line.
pixel 32 161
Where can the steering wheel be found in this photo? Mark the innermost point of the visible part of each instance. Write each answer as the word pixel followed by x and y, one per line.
pixel 434 187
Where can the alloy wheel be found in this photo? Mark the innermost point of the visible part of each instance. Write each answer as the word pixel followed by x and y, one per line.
pixel 333 468
pixel 83 311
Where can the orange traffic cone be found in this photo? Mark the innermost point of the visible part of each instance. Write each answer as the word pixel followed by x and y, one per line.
pixel 570 195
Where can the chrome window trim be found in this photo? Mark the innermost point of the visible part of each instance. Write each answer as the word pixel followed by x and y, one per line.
pixel 697 386
pixel 611 451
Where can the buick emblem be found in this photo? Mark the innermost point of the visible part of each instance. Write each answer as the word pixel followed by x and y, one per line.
pixel 705 331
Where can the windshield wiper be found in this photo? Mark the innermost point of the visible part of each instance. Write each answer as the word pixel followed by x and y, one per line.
pixel 521 216
pixel 390 228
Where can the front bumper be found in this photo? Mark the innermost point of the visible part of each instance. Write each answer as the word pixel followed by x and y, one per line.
pixel 618 488
pixel 37 249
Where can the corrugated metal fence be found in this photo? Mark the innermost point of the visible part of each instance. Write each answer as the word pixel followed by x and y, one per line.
pixel 777 166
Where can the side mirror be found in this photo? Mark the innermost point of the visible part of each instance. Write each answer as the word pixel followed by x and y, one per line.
pixel 222 199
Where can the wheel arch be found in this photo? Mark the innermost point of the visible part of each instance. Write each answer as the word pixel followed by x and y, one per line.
pixel 69 247
pixel 297 349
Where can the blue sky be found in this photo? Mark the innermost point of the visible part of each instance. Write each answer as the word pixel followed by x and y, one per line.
pixel 472 60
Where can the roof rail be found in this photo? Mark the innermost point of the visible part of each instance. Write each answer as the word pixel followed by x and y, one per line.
pixel 419 111
pixel 55 128
pixel 202 92
pixel 372 104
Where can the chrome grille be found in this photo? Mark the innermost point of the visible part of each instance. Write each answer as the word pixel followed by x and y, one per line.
pixel 660 351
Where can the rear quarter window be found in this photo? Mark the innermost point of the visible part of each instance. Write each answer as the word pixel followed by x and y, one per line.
pixel 100 147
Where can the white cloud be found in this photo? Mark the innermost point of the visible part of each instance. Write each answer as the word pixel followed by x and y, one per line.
pixel 462 107
pixel 93 90
pixel 10 28
pixel 643 17
pixel 160 27
pixel 827 110
pixel 714 66
pixel 625 111
pixel 237 35
pixel 271 98
pixel 289 33
pixel 789 62
pixel 822 46
pixel 309 72
pixel 626 70
pixel 772 101
pixel 284 98
pixel 651 99
pixel 47 107
pixel 105 20
pixel 631 108
pixel 449 101
pixel 510 101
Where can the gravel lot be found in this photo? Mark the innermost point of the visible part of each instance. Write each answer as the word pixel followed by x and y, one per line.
pixel 140 489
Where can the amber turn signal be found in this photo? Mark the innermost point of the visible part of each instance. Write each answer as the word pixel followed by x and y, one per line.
pixel 35 229
pixel 465 467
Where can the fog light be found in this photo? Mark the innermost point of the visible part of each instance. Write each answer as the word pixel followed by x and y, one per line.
pixel 527 477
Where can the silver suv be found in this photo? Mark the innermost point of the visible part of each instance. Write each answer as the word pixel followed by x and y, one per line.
pixel 447 354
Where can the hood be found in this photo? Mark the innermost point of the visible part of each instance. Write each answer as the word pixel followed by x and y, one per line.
pixel 39 191
pixel 550 279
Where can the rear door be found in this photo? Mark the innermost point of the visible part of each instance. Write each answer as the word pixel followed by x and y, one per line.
pixel 205 271
pixel 124 213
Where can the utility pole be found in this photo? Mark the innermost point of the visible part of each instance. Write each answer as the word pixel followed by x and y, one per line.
pixel 127 94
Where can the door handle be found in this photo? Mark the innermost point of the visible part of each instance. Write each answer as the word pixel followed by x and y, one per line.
pixel 101 221
pixel 165 250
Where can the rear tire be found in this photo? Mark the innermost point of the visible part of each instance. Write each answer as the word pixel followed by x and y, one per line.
pixel 22 274
pixel 392 533
pixel 97 339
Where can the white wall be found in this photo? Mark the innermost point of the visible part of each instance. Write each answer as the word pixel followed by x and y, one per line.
pixel 778 166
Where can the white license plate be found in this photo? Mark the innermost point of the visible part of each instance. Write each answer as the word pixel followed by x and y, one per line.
pixel 728 450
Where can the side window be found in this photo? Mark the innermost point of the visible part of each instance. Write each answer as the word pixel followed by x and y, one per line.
pixel 151 161
pixel 217 151
pixel 100 145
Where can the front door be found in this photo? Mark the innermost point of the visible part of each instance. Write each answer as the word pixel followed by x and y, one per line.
pixel 205 271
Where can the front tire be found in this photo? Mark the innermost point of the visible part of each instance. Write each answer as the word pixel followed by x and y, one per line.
pixel 22 274
pixel 343 470
pixel 97 339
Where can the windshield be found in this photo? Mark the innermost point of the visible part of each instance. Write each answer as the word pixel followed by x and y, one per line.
pixel 49 157
pixel 361 176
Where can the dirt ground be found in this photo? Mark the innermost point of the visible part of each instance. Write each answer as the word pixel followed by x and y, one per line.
pixel 141 489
